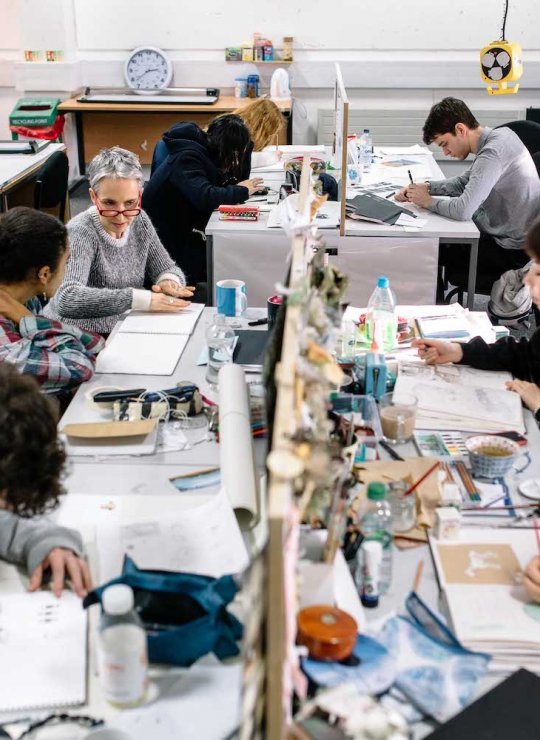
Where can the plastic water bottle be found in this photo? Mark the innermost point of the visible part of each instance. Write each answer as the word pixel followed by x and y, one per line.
pixel 122 649
pixel 376 524
pixel 366 150
pixel 220 342
pixel 381 323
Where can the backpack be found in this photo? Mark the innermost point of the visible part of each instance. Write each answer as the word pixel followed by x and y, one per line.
pixel 510 301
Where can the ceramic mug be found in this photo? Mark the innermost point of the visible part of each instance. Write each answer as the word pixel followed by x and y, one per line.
pixel 231 297
pixel 492 456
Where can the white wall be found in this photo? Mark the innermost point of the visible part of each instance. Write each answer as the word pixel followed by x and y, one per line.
pixel 397 55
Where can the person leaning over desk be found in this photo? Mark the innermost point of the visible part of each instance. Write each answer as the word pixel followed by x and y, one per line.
pixel 33 255
pixel 31 463
pixel 202 171
pixel 500 192
pixel 519 357
pixel 264 121
pixel 114 249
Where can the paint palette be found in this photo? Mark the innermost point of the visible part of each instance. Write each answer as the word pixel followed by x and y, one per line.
pixel 441 444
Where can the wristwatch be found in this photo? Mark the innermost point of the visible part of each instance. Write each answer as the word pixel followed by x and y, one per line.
pixel 428 187
pixel 536 415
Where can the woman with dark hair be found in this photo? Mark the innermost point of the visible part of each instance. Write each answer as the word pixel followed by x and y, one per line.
pixel 31 464
pixel 33 256
pixel 202 171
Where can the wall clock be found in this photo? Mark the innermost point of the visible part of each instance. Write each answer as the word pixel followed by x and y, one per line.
pixel 147 68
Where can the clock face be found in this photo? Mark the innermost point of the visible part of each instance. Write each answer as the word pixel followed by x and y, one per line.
pixel 148 69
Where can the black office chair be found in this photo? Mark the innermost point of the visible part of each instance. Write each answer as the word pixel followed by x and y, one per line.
pixel 529 133
pixel 51 184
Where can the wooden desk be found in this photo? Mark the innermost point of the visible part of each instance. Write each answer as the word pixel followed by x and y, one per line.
pixel 139 126
pixel 16 170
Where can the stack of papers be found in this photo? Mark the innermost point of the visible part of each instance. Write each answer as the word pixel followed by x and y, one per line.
pixel 489 609
pixel 327 216
pixel 461 398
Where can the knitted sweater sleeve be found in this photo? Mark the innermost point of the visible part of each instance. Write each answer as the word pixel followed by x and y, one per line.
pixel 158 260
pixel 74 299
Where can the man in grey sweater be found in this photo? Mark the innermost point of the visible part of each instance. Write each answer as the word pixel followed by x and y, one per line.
pixel 500 192
pixel 31 463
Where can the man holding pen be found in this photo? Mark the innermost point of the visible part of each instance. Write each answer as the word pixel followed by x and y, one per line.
pixel 500 192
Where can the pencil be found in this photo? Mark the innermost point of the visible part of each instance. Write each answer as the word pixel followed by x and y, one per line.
pixel 536 534
pixel 418 576
pixel 421 479
pixel 410 177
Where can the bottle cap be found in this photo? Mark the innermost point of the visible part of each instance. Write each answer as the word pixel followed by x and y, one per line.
pixel 376 491
pixel 383 282
pixel 118 599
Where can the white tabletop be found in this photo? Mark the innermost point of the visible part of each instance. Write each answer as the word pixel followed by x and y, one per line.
pixel 425 167
pixel 15 166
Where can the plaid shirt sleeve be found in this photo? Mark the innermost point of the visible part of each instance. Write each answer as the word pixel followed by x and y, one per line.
pixel 57 355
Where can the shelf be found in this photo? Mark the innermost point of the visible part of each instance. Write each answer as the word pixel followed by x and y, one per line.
pixel 245 61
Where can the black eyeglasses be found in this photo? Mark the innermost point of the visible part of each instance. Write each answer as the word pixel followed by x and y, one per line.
pixel 111 213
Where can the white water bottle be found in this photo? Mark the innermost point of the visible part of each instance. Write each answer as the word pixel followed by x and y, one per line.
pixel 376 524
pixel 366 150
pixel 122 649
pixel 381 321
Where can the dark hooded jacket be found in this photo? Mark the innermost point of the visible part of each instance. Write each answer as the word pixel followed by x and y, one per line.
pixel 182 193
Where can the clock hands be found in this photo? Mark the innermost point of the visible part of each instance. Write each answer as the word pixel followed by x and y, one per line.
pixel 146 71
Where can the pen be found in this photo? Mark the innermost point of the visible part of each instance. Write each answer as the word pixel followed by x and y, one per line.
pixel 393 454
pixel 410 177
pixel 390 195
pixel 259 322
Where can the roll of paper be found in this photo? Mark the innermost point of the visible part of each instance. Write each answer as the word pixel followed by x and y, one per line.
pixel 237 461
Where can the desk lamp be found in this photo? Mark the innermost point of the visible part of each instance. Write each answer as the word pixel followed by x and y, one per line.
pixel 501 62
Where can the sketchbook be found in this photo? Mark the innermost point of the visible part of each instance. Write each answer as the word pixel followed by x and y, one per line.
pixel 143 322
pixel 490 611
pixel 141 353
pixel 42 651
pixel 452 326
pixel 461 398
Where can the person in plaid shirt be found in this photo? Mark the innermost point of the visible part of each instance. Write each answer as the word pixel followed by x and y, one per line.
pixel 33 255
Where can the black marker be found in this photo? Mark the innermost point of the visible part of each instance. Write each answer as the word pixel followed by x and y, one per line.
pixel 259 322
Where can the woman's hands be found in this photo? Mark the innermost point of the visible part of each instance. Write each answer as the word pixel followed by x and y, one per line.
pixel 63 563
pixel 437 351
pixel 531 579
pixel 254 184
pixel 529 393
pixel 12 309
pixel 167 296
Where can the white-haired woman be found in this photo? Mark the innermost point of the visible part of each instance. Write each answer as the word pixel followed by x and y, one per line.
pixel 114 251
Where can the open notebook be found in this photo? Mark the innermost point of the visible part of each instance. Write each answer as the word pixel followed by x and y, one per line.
pixel 42 651
pixel 490 611
pixel 148 343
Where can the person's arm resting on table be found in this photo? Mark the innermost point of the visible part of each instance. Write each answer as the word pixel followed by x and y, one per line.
pixel 40 546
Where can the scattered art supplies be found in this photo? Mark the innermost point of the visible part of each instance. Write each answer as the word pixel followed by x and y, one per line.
pixel 371 207
pixel 148 343
pixel 42 651
pixel 461 398
pixel 480 574
pixel 112 437
pixel 327 216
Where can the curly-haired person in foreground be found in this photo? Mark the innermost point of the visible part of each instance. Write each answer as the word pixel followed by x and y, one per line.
pixel 31 463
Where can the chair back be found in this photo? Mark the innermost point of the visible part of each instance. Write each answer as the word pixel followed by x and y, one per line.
pixel 528 132
pixel 51 184
pixel 160 155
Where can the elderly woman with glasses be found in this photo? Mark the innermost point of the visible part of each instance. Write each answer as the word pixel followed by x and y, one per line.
pixel 115 251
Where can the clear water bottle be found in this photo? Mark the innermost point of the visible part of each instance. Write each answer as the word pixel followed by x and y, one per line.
pixel 220 342
pixel 381 323
pixel 365 150
pixel 122 649
pixel 375 523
